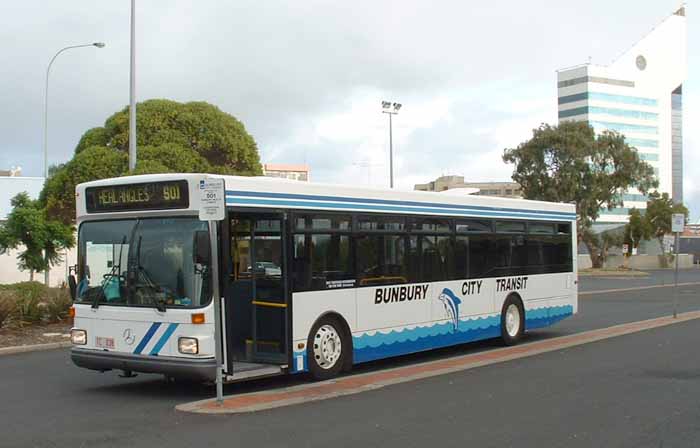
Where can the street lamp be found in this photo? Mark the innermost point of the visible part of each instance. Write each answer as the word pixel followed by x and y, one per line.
pixel 46 101
pixel 391 109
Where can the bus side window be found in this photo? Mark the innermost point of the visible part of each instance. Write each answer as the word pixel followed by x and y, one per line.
pixel 381 260
pixel 322 261
pixel 461 257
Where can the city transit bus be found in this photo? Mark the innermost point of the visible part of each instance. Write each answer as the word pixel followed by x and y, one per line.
pixel 308 277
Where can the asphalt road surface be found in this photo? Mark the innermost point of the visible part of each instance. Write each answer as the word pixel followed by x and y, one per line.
pixel 637 390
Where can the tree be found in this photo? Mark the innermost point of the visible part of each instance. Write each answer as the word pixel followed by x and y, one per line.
pixel 172 137
pixel 604 241
pixel 660 209
pixel 39 238
pixel 637 228
pixel 569 163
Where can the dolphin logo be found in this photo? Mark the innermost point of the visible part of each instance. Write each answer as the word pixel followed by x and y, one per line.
pixel 451 303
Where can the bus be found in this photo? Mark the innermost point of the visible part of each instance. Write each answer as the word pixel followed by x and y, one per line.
pixel 308 277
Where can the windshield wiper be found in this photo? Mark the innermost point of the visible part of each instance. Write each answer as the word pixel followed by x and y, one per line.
pixel 143 275
pixel 115 271
pixel 100 294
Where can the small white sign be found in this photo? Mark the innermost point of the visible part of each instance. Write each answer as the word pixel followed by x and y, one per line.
pixel 625 248
pixel 677 222
pixel 212 200
pixel 668 243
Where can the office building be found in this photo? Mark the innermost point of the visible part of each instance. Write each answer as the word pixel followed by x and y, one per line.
pixel 639 95
pixel 286 171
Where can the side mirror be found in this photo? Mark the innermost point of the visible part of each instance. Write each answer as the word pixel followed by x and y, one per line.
pixel 73 286
pixel 201 252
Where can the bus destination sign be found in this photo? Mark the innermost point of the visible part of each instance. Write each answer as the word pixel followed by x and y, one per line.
pixel 144 196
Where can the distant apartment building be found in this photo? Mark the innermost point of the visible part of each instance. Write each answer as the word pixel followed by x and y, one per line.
pixel 639 95
pixel 500 189
pixel 286 171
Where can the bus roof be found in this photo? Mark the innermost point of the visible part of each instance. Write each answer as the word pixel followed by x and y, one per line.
pixel 278 193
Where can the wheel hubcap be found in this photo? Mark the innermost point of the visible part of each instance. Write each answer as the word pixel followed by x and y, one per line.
pixel 512 320
pixel 327 347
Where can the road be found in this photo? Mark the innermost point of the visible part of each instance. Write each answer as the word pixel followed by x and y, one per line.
pixel 653 277
pixel 636 390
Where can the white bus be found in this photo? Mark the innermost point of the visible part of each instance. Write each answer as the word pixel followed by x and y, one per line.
pixel 311 277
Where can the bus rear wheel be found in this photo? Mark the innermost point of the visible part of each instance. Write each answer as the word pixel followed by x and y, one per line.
pixel 512 321
pixel 327 348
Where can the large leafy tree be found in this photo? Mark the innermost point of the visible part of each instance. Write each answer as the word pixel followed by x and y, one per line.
pixel 659 215
pixel 637 228
pixel 172 137
pixel 570 163
pixel 39 238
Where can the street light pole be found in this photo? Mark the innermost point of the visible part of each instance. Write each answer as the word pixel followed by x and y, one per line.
pixel 46 123
pixel 46 101
pixel 391 109
pixel 132 91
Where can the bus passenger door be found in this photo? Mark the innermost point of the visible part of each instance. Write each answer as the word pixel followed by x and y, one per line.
pixel 256 301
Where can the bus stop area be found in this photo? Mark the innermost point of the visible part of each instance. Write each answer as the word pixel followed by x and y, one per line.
pixel 353 384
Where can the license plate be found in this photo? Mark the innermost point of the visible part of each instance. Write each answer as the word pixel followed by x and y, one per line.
pixel 104 342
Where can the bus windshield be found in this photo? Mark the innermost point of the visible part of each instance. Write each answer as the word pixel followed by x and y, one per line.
pixel 154 262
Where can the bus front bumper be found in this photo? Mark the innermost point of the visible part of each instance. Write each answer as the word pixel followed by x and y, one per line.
pixel 195 369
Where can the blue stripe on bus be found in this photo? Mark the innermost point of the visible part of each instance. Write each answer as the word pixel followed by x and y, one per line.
pixel 163 339
pixel 147 338
pixel 232 194
pixel 321 205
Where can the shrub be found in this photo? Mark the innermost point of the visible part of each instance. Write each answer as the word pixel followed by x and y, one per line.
pixel 30 290
pixel 28 302
pixel 32 302
pixel 7 306
pixel 57 304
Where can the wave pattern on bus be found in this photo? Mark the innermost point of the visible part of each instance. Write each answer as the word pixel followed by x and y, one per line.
pixel 398 342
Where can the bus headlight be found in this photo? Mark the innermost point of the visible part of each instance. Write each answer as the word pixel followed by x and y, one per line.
pixel 188 346
pixel 78 337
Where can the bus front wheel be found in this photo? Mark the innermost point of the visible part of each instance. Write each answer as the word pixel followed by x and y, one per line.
pixel 512 320
pixel 327 348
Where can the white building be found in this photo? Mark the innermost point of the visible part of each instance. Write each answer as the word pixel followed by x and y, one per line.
pixel 640 96
pixel 11 184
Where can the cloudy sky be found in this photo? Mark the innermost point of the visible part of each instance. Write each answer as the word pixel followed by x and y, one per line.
pixel 307 78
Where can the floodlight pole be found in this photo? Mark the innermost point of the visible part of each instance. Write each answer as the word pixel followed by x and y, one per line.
pixel 390 109
pixel 391 153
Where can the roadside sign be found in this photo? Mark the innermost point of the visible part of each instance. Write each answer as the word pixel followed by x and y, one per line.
pixel 212 200
pixel 668 243
pixel 677 222
pixel 625 248
pixel 212 208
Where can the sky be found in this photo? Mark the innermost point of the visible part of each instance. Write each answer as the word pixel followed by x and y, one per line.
pixel 307 78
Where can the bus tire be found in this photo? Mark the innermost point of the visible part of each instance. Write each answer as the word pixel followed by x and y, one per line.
pixel 327 348
pixel 512 320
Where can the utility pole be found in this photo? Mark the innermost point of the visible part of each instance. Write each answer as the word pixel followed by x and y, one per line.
pixel 132 91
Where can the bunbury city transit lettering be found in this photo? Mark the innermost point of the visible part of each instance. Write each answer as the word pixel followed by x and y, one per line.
pixel 511 284
pixel 400 294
